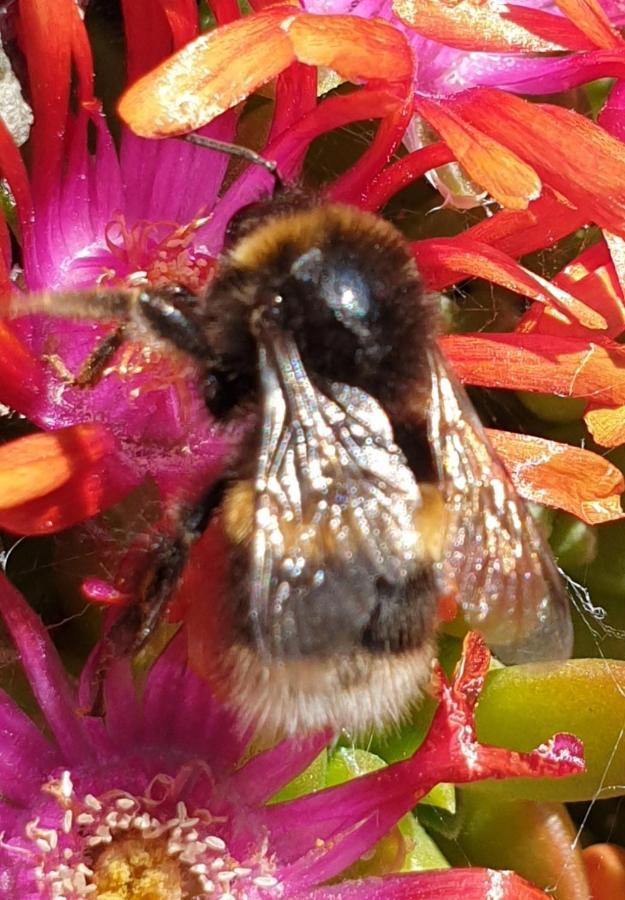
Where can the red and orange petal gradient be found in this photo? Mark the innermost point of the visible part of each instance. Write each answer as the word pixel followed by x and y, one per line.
pixel 50 481
pixel 52 38
pixel 21 371
pixel 566 367
pixel 13 169
pixel 593 278
pixel 444 261
pixel 477 25
pixel 517 232
pixel 592 178
pixel 493 166
pixel 544 361
pixel 590 18
pixel 223 67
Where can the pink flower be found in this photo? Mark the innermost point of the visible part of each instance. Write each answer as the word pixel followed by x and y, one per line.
pixel 104 218
pixel 156 795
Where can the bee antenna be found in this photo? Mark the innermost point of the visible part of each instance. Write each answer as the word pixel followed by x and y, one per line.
pixel 209 143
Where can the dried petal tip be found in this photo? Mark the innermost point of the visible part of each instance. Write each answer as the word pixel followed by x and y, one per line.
pixel 564 751
pixel 453 732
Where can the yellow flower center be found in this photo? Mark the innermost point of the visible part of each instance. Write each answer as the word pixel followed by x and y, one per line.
pixel 133 869
pixel 120 846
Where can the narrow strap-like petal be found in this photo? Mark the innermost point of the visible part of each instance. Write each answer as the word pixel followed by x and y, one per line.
pixel 470 884
pixel 26 757
pixel 266 773
pixel 46 674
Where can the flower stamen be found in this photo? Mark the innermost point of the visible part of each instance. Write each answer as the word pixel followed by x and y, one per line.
pixel 156 254
pixel 149 846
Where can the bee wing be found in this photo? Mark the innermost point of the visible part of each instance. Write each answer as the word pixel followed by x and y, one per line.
pixel 510 588
pixel 335 505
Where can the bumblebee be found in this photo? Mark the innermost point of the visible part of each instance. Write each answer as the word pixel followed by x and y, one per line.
pixel 365 486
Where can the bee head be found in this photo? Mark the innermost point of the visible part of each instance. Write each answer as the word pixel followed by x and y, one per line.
pixel 344 285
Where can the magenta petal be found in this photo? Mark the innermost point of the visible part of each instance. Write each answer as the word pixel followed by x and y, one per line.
pixel 25 755
pixel 266 773
pixel 124 715
pixel 158 417
pixel 170 180
pixel 447 884
pixel 348 819
pixel 70 223
pixel 122 727
pixel 179 708
pixel 549 76
pixel 45 673
pixel 332 850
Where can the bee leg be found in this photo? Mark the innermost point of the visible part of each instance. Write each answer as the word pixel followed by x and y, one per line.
pixel 93 367
pixel 138 620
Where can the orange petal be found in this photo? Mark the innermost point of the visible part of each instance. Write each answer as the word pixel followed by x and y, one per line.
pixel 606 424
pixel 208 76
pixel 569 478
pixel 576 157
pixel 592 277
pixel 490 164
pixel 442 261
pixel 86 494
pixel 33 466
pixel 605 868
pixel 20 372
pixel 52 481
pixel 223 67
pixel 356 48
pixel 567 367
pixel 592 20
pixel 473 25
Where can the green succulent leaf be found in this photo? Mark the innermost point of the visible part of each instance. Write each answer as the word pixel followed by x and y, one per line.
pixel 522 706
